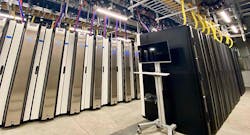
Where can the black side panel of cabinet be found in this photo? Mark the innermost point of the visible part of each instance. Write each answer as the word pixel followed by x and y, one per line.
pixel 205 81
pixel 238 72
pixel 182 94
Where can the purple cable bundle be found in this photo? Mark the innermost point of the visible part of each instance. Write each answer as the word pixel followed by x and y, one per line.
pixel 21 10
pixel 92 23
pixel 143 25
pixel 105 27
pixel 59 19
pixel 116 28
pixel 78 16
pixel 125 29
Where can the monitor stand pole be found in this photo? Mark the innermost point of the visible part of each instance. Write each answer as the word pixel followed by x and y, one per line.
pixel 161 121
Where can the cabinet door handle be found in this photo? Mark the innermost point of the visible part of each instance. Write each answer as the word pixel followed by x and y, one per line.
pixel 37 69
pixel 1 70
pixel 64 69
pixel 85 70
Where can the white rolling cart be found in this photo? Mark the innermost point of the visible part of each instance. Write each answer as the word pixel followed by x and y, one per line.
pixel 156 53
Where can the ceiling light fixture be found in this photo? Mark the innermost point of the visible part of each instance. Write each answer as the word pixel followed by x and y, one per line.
pixel 10 16
pixel 111 14
pixel 123 39
pixel 234 29
pixel 244 27
pixel 79 30
pixel 225 16
pixel 154 29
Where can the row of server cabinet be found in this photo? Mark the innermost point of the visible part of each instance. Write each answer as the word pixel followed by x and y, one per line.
pixel 49 72
pixel 204 85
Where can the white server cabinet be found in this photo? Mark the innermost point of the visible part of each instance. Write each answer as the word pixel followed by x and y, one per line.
pixel 6 47
pixel 34 74
pixel 136 69
pixel 120 74
pixel 88 73
pixel 113 73
pixel 9 68
pixel 3 23
pixel 132 79
pixel 68 74
pixel 132 66
pixel 127 71
pixel 66 80
pixel 106 72
pixel 42 73
pixel 21 76
pixel 62 74
pixel 97 73
pixel 78 73
pixel 52 80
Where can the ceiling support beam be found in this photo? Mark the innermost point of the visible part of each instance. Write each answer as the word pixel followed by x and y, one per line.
pixel 137 4
pixel 174 14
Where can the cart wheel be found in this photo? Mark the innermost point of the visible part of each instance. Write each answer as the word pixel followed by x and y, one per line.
pixel 139 131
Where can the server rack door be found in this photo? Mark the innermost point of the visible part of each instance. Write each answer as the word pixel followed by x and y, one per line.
pixel 2 31
pixel 88 73
pixel 212 74
pixel 131 63
pixel 238 71
pixel 140 77
pixel 34 74
pixel 21 80
pixel 201 70
pixel 207 80
pixel 120 74
pixel 113 73
pixel 62 74
pixel 136 68
pixel 53 75
pixel 106 71
pixel 218 82
pixel 68 75
pixel 42 73
pixel 234 93
pixel 127 71
pixel 2 25
pixel 78 74
pixel 97 91
pixel 6 47
pixel 10 67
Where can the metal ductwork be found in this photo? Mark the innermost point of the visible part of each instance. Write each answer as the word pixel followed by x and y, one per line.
pixel 212 4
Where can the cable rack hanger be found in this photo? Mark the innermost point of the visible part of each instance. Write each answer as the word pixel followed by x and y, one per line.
pixel 183 13
pixel 165 9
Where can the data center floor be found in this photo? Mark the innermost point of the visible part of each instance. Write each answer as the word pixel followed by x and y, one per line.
pixel 122 119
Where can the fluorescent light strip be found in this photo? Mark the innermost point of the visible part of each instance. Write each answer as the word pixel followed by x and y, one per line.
pixel 234 29
pixel 10 16
pixel 79 30
pixel 111 14
pixel 154 30
pixel 123 39
pixel 225 16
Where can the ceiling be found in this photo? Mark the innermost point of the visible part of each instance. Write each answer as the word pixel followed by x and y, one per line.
pixel 147 15
pixel 244 8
